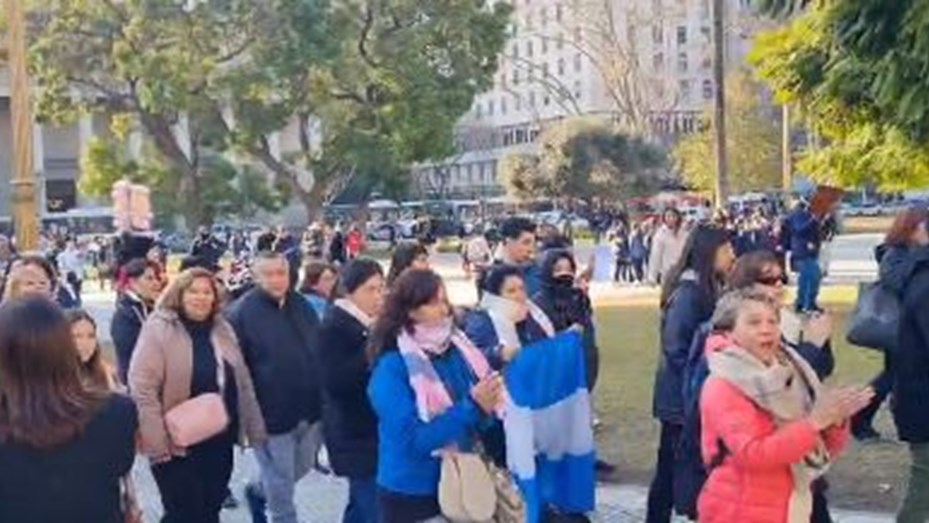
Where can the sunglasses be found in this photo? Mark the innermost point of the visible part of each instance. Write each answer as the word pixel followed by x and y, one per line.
pixel 772 280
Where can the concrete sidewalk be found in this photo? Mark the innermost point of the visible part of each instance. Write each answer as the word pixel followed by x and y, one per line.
pixel 321 499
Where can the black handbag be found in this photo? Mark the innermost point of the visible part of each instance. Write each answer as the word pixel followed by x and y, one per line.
pixel 875 321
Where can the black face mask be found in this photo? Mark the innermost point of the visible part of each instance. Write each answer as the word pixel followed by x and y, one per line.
pixel 564 280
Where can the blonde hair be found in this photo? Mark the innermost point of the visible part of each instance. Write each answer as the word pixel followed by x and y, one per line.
pixel 728 307
pixel 14 282
pixel 173 296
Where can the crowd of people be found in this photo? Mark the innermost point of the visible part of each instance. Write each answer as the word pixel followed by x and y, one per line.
pixel 316 350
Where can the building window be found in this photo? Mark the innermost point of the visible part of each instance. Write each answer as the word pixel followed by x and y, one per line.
pixel 577 89
pixel 560 41
pixel 529 21
pixel 706 34
pixel 577 35
pixel 516 77
pixel 707 89
pixel 477 110
pixel 546 100
pixel 681 35
pixel 545 70
pixel 544 16
pixel 529 52
pixel 559 12
pixel 490 107
pixel 658 61
pixel 519 103
pixel 531 73
pixel 657 34
pixel 682 62
pixel 684 87
pixel 503 105
pixel 706 63
pixel 561 67
pixel 515 50
pixel 531 98
pixel 544 45
pixel 577 62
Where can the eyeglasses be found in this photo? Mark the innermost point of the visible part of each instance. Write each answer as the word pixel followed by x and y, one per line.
pixel 772 281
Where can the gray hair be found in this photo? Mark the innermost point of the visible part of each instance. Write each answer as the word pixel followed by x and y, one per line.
pixel 727 309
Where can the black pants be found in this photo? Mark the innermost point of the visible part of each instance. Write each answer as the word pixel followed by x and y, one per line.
pixel 820 503
pixel 882 384
pixel 193 488
pixel 403 508
pixel 661 492
pixel 638 268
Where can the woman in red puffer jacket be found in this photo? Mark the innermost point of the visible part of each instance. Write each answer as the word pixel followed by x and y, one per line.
pixel 769 429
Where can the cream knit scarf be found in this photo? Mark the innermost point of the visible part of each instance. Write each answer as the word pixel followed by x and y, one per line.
pixel 786 391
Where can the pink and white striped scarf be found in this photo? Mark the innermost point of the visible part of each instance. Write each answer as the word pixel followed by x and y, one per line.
pixel 432 397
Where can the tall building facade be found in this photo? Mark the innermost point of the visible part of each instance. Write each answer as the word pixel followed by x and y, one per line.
pixel 57 153
pixel 644 64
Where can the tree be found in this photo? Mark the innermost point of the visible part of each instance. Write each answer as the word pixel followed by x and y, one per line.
pixel 752 145
pixel 370 86
pixel 584 158
pixel 824 64
pixel 151 64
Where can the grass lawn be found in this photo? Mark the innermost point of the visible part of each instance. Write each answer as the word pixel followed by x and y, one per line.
pixel 868 477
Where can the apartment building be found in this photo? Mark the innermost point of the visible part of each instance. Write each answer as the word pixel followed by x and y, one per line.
pixel 645 64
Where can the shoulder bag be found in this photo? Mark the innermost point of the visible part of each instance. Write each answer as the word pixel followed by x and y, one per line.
pixel 202 417
pixel 875 321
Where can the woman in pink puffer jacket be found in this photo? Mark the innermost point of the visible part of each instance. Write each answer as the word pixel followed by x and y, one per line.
pixel 769 429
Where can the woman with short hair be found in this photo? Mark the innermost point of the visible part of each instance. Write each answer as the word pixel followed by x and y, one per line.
pixel 349 422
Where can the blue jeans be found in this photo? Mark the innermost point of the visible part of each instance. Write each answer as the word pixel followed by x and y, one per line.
pixel 362 501
pixel 810 276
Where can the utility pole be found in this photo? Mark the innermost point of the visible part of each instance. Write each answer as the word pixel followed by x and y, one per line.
pixel 787 163
pixel 25 213
pixel 719 113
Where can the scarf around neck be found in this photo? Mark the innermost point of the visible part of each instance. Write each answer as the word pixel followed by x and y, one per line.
pixel 432 398
pixel 504 314
pixel 355 312
pixel 787 392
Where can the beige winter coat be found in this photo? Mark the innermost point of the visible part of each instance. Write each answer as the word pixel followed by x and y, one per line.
pixel 160 376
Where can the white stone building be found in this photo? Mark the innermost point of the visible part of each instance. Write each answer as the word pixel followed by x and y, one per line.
pixel 646 64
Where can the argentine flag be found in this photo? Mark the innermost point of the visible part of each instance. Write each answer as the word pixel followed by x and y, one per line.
pixel 549 439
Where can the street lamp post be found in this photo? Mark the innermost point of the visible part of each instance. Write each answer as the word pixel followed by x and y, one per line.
pixel 25 214
pixel 719 109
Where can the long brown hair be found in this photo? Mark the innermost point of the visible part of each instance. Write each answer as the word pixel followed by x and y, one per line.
pixel 412 290
pixel 44 402
pixel 95 369
pixel 905 225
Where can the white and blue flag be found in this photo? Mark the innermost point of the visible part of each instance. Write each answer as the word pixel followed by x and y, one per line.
pixel 549 438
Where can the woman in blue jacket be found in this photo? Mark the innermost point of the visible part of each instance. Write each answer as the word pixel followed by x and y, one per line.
pixel 688 298
pixel 431 390
pixel 505 319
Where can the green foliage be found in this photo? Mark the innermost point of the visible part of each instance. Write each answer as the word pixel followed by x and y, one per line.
pixel 373 86
pixel 752 143
pixel 584 158
pixel 856 70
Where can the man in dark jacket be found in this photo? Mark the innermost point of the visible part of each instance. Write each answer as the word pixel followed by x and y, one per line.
pixel 132 307
pixel 519 246
pixel 278 335
pixel 207 247
pixel 804 256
